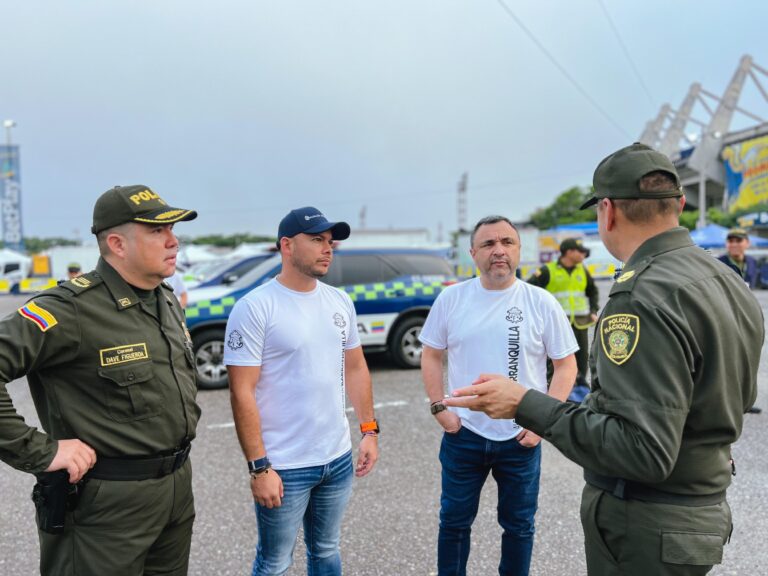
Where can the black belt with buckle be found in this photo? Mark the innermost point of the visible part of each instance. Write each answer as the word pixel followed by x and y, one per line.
pixel 628 490
pixel 142 468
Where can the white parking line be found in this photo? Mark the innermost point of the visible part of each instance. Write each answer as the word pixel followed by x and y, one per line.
pixel 376 406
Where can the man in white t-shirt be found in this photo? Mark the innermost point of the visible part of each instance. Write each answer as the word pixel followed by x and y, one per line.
pixel 489 325
pixel 292 352
pixel 179 288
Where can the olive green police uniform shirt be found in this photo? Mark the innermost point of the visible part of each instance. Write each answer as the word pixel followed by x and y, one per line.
pixel 675 356
pixel 107 370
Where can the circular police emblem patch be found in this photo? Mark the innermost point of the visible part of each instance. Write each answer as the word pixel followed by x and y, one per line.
pixel 619 335
pixel 235 340
pixel 618 341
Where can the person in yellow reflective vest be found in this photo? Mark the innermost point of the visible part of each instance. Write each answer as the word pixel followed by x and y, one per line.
pixel 570 282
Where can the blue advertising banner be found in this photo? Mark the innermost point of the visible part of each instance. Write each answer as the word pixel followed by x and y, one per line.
pixel 10 197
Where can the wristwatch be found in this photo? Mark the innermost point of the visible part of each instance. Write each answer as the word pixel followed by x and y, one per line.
pixel 371 427
pixel 260 466
pixel 437 407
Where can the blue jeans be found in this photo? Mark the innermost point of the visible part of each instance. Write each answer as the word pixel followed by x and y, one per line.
pixel 467 458
pixel 318 496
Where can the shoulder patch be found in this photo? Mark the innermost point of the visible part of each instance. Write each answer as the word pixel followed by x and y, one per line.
pixel 82 283
pixel 38 315
pixel 619 335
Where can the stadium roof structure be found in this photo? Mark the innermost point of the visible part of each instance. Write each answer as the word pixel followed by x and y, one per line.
pixel 697 157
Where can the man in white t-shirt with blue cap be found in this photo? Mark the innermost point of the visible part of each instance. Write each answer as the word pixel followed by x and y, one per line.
pixel 293 354
pixel 488 325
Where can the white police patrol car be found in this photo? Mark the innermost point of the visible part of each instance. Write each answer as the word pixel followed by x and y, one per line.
pixel 392 290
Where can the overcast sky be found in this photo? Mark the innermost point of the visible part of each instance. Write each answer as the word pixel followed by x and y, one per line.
pixel 244 109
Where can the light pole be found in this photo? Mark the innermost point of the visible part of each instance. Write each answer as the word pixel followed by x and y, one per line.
pixel 8 124
pixel 712 141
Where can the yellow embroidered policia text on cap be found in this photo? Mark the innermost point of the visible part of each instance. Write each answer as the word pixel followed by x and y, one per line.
pixel 136 203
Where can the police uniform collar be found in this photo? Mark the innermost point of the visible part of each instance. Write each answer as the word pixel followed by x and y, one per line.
pixel 121 292
pixel 671 239
pixel 677 237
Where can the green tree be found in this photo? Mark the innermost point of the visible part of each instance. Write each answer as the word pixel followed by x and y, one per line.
pixel 33 244
pixel 230 241
pixel 690 218
pixel 565 210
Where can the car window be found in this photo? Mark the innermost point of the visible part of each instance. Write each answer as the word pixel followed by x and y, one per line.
pixel 269 268
pixel 363 269
pixel 420 264
pixel 203 269
pixel 333 277
pixel 245 266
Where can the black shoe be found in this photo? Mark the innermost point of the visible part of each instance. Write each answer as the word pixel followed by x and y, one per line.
pixel 754 410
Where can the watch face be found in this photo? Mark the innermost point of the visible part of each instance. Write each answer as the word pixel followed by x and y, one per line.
pixel 438 407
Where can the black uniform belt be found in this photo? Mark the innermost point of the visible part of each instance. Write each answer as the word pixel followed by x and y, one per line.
pixel 628 490
pixel 139 468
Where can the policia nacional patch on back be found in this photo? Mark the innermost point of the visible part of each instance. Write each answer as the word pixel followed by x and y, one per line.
pixel 619 334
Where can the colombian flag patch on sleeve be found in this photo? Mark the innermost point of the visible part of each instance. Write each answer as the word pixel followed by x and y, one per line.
pixel 38 315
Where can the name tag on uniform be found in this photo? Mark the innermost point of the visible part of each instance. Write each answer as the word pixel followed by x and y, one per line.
pixel 123 354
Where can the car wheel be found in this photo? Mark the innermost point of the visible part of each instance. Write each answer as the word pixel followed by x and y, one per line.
pixel 209 359
pixel 405 346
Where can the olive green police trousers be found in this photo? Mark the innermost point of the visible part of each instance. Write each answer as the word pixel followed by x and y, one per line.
pixel 125 528
pixel 632 537
pixel 582 339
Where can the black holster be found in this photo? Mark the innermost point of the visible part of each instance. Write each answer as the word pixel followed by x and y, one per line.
pixel 54 496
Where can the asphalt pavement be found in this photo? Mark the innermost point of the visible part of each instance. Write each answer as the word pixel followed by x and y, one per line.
pixel 390 527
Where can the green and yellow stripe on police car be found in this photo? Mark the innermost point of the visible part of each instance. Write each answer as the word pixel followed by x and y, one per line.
pixel 386 290
pixel 216 307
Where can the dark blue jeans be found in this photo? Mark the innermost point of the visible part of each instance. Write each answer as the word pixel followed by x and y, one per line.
pixel 467 458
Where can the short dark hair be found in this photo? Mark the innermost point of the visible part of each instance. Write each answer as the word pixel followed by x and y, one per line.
pixel 491 220
pixel 644 210
pixel 101 237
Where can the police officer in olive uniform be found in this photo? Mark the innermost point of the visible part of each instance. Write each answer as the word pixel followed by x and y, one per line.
pixel 571 283
pixel 110 368
pixel 674 366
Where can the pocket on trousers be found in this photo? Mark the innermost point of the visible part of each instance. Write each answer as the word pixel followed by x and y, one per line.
pixel 90 491
pixel 692 548
pixel 594 540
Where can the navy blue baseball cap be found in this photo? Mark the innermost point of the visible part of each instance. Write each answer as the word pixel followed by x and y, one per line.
pixel 309 220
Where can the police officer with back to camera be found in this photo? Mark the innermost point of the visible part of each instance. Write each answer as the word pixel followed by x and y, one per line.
pixel 109 364
pixel 674 365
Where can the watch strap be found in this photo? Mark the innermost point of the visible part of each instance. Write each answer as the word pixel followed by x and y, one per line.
pixel 371 427
pixel 437 407
pixel 259 465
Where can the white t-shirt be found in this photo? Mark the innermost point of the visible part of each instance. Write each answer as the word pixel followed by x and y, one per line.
pixel 177 283
pixel 509 332
pixel 299 340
